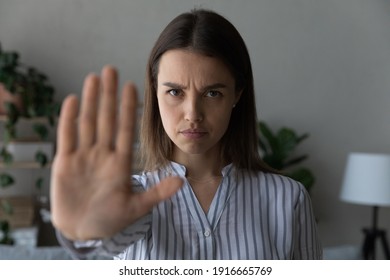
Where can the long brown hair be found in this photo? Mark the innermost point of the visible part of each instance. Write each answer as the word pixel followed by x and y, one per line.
pixel 207 33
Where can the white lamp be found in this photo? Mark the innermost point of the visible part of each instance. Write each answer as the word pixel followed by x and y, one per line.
pixel 367 181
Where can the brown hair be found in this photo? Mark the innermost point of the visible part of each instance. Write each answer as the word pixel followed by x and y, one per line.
pixel 207 33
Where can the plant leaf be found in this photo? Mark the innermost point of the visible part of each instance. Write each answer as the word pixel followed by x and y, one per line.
pixel 6 180
pixel 278 153
pixel 41 158
pixel 295 161
pixel 12 112
pixel 7 207
pixel 302 137
pixel 41 130
pixel 287 142
pixel 7 156
pixel 4 226
pixel 39 183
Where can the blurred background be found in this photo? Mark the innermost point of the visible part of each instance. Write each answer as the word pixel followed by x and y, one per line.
pixel 321 67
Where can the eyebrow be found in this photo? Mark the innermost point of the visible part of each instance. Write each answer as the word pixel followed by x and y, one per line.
pixel 208 87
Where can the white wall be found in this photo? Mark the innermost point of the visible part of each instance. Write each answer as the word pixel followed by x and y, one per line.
pixel 321 66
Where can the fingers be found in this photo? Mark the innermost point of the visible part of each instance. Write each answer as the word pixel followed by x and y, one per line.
pixel 67 128
pixel 127 119
pixel 87 119
pixel 107 107
pixel 142 203
pixel 98 116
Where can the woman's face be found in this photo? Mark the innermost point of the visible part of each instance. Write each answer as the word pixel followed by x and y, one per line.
pixel 196 95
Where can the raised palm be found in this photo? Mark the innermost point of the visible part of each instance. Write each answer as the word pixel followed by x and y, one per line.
pixel 91 192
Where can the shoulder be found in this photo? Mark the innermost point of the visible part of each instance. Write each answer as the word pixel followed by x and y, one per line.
pixel 271 180
pixel 275 185
pixel 279 181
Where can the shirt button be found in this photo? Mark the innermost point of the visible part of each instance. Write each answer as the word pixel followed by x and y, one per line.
pixel 207 233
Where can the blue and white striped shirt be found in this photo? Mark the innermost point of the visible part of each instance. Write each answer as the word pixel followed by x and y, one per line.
pixel 252 216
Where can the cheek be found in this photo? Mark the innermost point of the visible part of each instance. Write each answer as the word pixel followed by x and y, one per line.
pixel 221 121
pixel 167 117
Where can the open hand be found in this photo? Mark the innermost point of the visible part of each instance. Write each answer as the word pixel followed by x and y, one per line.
pixel 91 195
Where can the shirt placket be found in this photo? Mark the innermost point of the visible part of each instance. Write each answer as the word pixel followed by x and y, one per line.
pixel 206 224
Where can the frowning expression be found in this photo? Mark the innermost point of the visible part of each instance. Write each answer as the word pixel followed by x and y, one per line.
pixel 196 95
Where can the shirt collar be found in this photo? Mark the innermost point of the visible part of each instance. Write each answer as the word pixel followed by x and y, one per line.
pixel 178 169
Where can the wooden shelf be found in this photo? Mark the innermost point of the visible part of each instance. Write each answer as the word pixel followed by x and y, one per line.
pixel 23 165
pixel 4 118
pixel 23 211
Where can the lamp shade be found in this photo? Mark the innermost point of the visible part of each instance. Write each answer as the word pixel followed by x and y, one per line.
pixel 367 179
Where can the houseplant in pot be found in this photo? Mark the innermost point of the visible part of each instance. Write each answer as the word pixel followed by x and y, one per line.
pixel 278 150
pixel 25 94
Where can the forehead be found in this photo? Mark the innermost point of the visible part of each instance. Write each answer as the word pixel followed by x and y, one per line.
pixel 184 65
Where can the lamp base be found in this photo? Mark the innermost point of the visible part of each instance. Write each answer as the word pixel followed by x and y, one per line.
pixel 371 235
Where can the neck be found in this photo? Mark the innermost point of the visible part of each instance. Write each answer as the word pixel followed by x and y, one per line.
pixel 201 167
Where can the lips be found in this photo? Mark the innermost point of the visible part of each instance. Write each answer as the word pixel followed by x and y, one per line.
pixel 193 133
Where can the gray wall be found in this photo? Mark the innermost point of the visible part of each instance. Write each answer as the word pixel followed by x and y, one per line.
pixel 321 66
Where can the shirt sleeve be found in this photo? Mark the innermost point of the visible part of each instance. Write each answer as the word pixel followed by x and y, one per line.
pixel 113 245
pixel 307 243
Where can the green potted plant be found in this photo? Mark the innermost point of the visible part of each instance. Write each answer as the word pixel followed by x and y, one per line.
pixel 25 93
pixel 6 237
pixel 278 151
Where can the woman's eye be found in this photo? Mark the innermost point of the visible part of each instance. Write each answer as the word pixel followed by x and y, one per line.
pixel 213 93
pixel 174 92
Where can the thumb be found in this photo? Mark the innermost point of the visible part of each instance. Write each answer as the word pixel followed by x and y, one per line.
pixel 142 203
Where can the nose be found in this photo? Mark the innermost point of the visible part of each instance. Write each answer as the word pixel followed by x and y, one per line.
pixel 193 110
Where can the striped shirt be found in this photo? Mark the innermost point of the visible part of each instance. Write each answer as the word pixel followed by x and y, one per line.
pixel 252 216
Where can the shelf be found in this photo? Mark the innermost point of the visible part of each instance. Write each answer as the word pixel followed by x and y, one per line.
pixel 4 118
pixel 23 165
pixel 23 208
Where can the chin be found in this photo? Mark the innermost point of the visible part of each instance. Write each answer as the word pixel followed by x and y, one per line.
pixel 194 150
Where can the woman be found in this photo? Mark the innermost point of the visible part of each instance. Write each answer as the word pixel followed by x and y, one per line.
pixel 205 193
